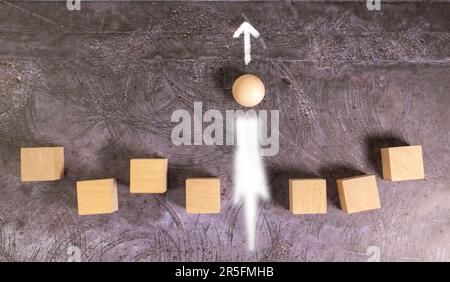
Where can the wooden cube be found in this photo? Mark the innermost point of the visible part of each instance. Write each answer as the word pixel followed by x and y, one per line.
pixel 42 163
pixel 308 196
pixel 148 175
pixel 97 196
pixel 359 193
pixel 203 195
pixel 402 163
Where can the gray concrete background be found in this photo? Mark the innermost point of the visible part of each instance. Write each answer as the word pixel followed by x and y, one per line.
pixel 104 81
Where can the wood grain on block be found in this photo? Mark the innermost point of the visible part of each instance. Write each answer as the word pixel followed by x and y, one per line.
pixel 359 193
pixel 148 175
pixel 42 163
pixel 307 196
pixel 402 163
pixel 203 195
pixel 97 196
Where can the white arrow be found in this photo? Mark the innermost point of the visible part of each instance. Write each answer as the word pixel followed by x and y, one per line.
pixel 248 30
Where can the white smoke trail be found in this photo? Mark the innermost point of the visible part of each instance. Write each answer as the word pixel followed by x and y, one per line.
pixel 250 184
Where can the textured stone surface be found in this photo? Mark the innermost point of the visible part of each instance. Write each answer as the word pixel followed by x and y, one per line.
pixel 103 82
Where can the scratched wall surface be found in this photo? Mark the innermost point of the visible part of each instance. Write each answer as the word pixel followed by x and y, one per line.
pixel 104 81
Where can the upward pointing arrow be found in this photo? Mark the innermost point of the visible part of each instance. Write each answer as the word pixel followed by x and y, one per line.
pixel 248 30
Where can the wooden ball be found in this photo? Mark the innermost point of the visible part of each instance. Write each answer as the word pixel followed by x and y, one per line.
pixel 248 90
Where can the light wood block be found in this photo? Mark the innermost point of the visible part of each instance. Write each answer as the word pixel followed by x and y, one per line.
pixel 402 163
pixel 308 196
pixel 42 163
pixel 203 195
pixel 359 193
pixel 97 196
pixel 148 175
